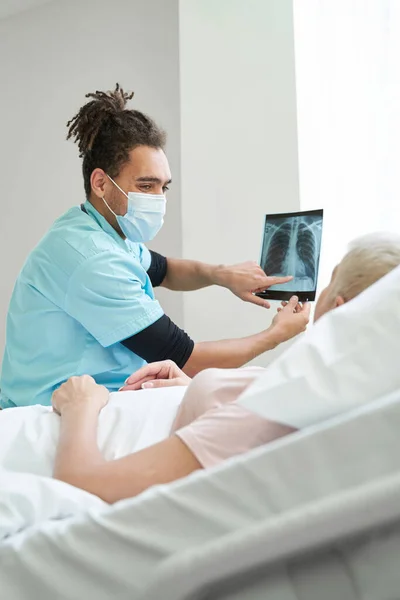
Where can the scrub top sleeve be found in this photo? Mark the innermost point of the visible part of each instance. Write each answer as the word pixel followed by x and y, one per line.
pixel 145 257
pixel 106 296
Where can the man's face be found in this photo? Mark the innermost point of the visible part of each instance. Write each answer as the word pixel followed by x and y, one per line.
pixel 327 299
pixel 147 172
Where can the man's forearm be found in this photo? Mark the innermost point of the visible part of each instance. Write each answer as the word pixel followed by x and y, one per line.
pixel 189 275
pixel 230 354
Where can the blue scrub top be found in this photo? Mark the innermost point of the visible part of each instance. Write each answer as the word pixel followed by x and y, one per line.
pixel 81 292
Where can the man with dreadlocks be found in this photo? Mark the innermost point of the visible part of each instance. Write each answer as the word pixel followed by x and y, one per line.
pixel 84 301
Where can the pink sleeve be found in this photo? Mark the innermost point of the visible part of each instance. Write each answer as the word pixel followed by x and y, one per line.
pixel 213 388
pixel 213 426
pixel 224 432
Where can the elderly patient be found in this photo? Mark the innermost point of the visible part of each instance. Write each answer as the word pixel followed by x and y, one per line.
pixel 210 425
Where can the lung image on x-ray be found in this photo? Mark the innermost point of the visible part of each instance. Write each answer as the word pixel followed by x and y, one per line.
pixel 291 246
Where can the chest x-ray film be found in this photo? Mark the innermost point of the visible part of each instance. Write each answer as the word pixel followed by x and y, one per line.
pixel 292 246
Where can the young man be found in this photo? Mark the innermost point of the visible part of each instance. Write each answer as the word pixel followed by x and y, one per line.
pixel 84 301
pixel 210 425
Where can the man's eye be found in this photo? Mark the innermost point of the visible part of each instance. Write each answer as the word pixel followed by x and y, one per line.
pixel 165 188
pixel 146 187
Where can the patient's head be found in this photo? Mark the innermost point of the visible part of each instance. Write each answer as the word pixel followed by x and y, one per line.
pixel 369 258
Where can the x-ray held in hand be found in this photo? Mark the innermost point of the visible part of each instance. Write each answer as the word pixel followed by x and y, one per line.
pixel 292 246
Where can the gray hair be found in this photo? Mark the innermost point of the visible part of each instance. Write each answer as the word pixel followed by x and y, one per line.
pixel 369 258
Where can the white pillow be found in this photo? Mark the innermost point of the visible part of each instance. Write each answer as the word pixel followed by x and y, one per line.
pixel 350 357
pixel 26 500
pixel 131 421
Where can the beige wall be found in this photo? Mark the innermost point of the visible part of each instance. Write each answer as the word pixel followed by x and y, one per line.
pixel 239 144
pixel 50 57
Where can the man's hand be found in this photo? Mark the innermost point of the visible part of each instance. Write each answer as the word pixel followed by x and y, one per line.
pixel 80 392
pixel 245 280
pixel 292 319
pixel 155 375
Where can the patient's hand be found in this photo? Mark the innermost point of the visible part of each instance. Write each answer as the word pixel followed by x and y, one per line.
pixel 80 392
pixel 291 319
pixel 155 375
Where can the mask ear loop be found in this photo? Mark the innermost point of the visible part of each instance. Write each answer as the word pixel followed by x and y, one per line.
pixel 108 206
pixel 104 198
pixel 116 185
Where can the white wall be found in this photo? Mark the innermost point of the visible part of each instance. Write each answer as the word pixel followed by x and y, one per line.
pixel 12 7
pixel 238 147
pixel 50 57
pixel 239 144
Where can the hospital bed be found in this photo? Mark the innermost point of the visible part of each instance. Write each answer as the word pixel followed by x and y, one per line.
pixel 312 516
pixel 330 531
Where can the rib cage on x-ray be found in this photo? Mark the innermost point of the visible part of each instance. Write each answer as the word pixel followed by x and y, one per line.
pixel 293 249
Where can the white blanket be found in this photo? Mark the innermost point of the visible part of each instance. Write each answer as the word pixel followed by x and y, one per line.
pixel 28 436
pixel 131 421
pixel 27 500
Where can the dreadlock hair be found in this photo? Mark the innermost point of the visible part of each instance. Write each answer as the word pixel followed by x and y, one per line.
pixel 106 131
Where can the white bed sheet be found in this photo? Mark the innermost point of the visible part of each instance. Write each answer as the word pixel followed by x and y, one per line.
pixel 131 421
pixel 28 436
pixel 27 500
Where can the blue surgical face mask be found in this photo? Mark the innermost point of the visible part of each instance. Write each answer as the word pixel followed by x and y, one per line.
pixel 144 217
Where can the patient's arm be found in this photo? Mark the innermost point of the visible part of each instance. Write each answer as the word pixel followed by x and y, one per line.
pixel 80 463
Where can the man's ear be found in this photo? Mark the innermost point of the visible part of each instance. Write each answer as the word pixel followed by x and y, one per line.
pixel 97 181
pixel 339 301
